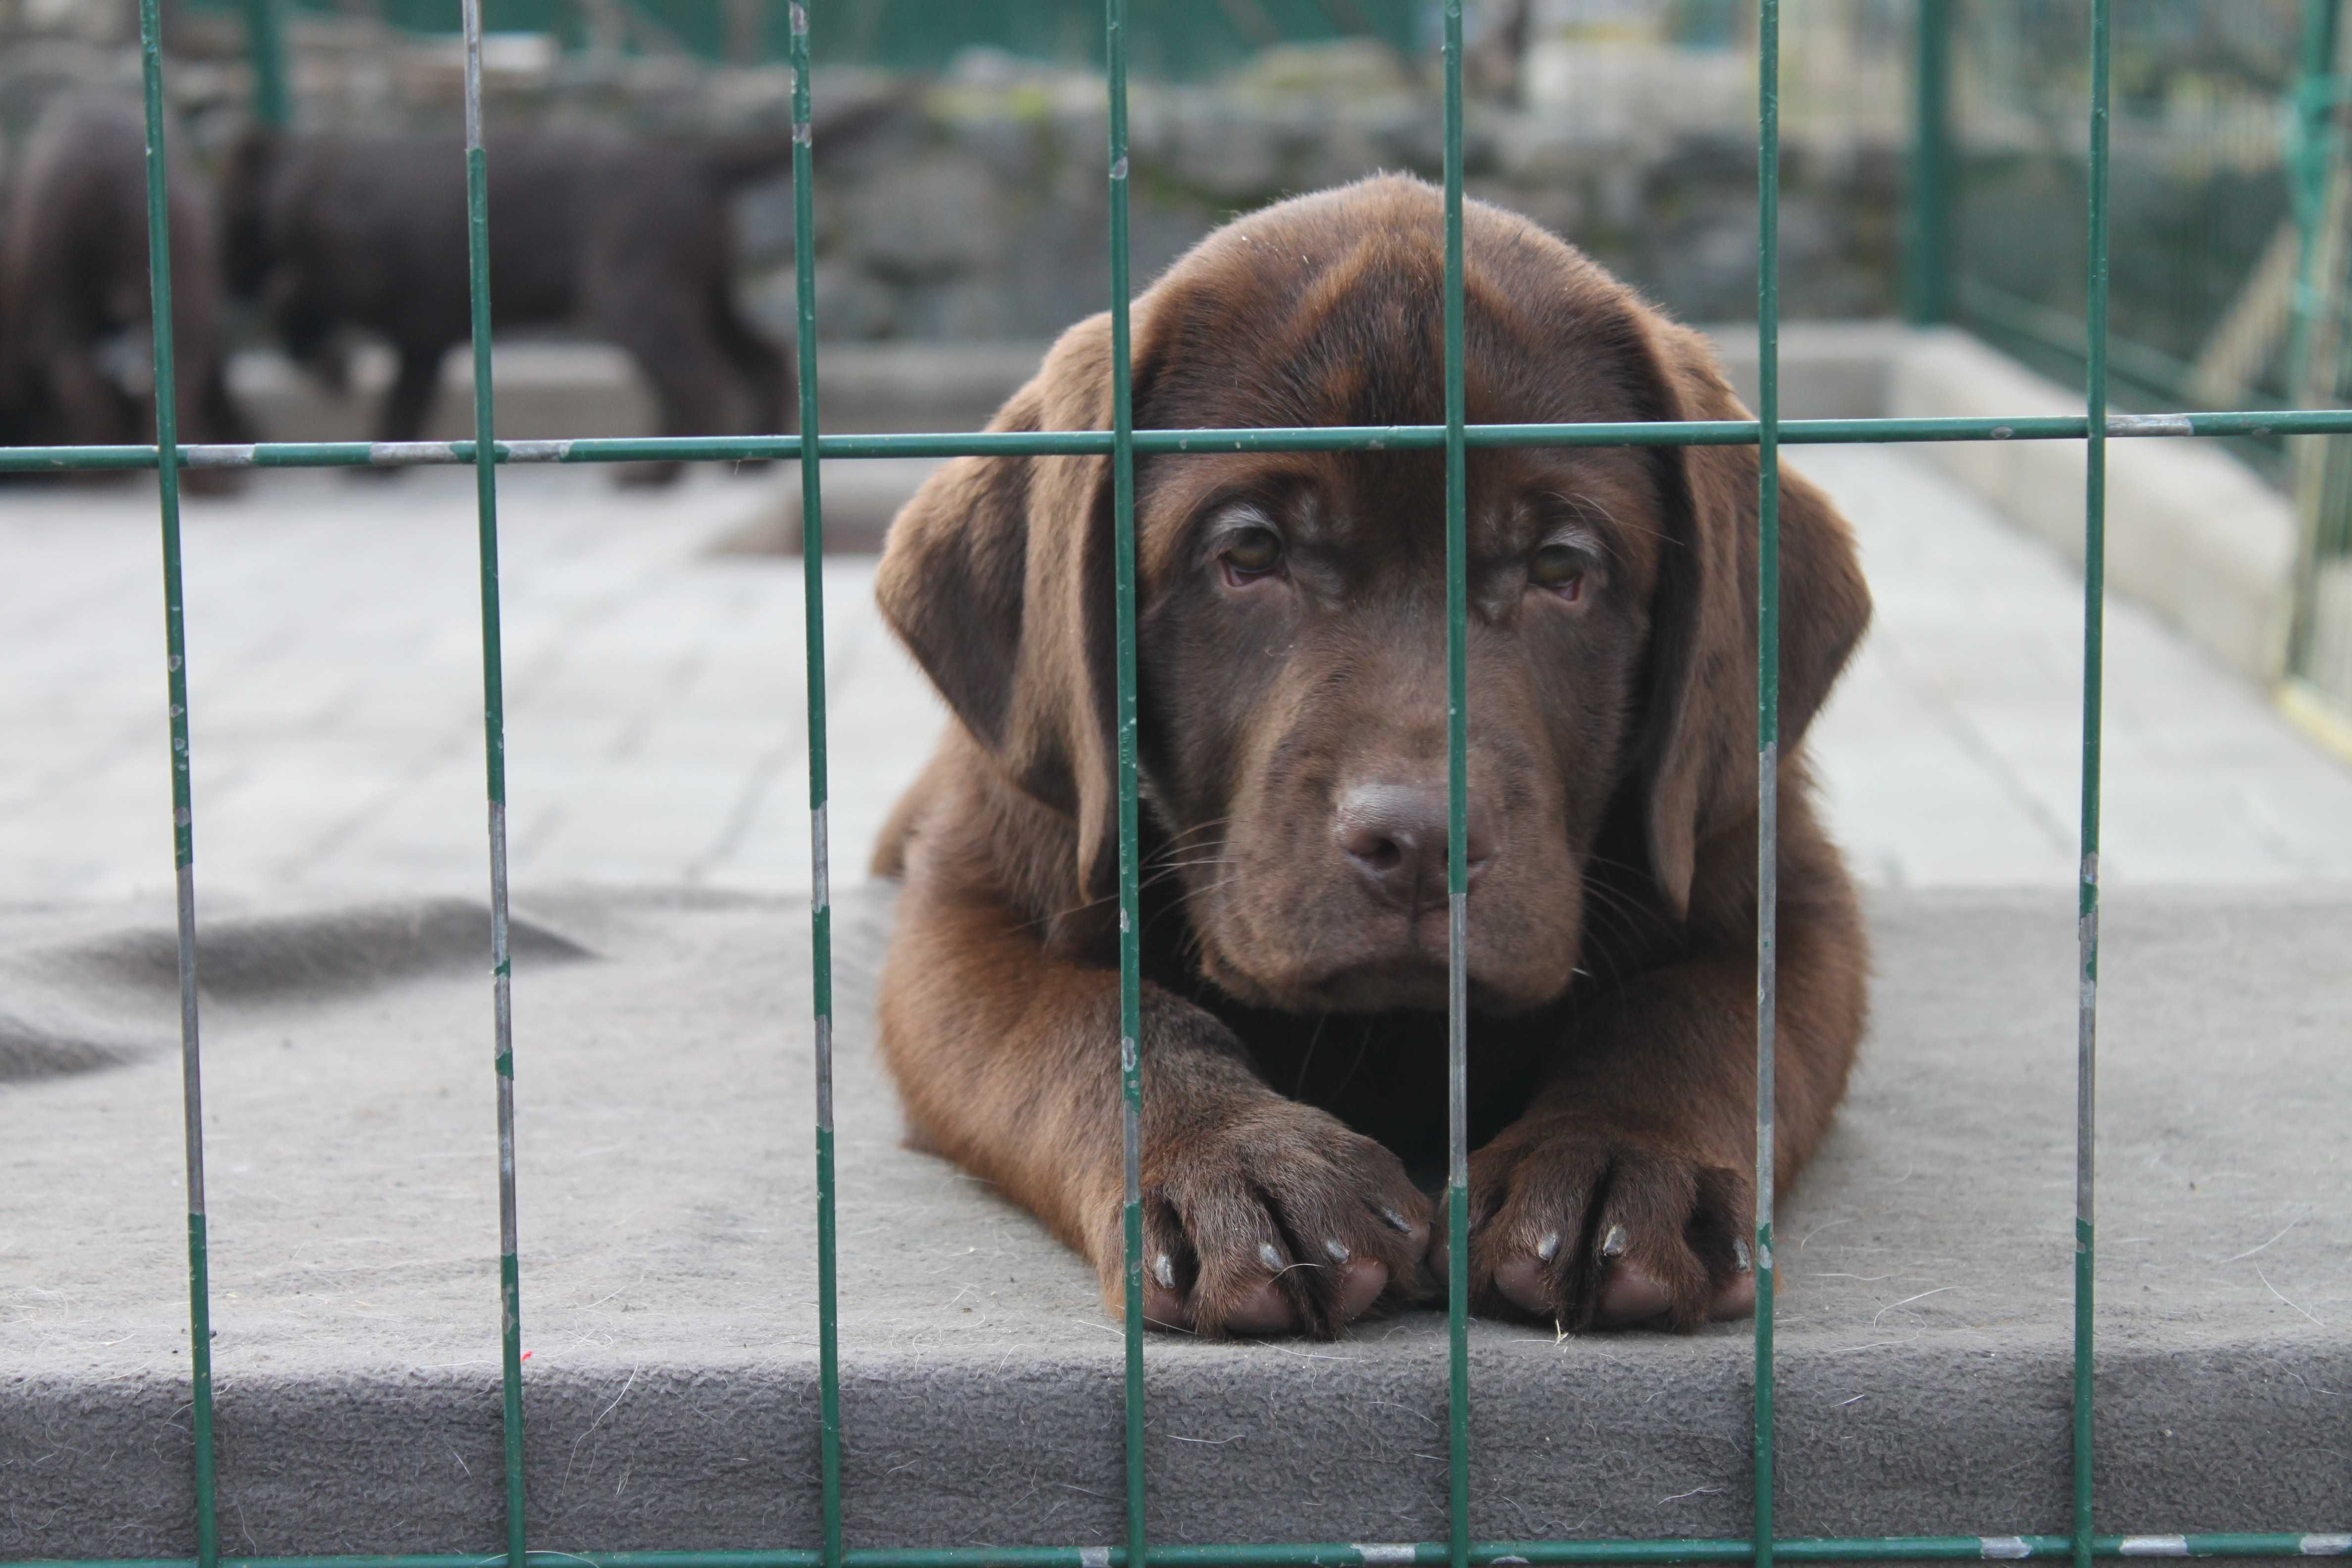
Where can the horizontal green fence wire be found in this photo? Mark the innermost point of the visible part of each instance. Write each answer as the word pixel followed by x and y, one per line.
pixel 1122 444
pixel 1155 443
pixel 1343 1554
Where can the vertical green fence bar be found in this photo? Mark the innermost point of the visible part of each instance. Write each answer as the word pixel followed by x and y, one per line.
pixel 2095 571
pixel 2315 153
pixel 2311 154
pixel 494 751
pixel 1928 242
pixel 828 1283
pixel 265 52
pixel 1457 869
pixel 1130 915
pixel 1767 726
pixel 183 821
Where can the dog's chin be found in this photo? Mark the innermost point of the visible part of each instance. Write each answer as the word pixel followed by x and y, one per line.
pixel 1407 981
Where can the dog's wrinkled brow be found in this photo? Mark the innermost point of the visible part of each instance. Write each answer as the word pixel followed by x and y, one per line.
pixel 1234 514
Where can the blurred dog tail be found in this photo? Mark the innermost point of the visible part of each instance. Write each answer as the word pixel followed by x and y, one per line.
pixel 759 155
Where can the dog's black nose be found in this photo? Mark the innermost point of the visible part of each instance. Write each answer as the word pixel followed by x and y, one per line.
pixel 1395 837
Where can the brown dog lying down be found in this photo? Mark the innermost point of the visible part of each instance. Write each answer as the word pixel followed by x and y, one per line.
pixel 1293 757
pixel 630 242
pixel 75 366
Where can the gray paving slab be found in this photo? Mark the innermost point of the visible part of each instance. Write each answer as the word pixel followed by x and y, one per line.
pixel 656 691
pixel 1951 753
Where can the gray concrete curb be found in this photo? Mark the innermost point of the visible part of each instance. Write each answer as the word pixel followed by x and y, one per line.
pixel 2192 534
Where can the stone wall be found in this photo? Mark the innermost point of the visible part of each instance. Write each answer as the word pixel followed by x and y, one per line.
pixel 981 213
pixel 978 211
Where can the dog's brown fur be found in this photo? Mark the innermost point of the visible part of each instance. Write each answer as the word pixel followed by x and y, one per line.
pixel 73 282
pixel 1292 752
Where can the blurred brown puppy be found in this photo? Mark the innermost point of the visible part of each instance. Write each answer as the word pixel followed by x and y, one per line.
pixel 1292 747
pixel 75 366
pixel 630 242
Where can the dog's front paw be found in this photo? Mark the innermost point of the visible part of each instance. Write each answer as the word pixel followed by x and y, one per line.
pixel 1574 1227
pixel 1271 1218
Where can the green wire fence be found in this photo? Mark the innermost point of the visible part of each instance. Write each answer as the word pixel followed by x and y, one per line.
pixel 1122 444
pixel 1186 43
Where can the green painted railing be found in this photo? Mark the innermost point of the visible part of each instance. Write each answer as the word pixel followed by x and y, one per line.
pixel 1123 444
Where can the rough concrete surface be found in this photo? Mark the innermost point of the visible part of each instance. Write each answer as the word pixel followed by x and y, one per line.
pixel 664 1081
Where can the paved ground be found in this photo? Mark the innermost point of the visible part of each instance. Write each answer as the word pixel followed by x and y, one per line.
pixel 655 699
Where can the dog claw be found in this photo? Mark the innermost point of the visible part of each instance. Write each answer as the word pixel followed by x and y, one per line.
pixel 1337 1251
pixel 1269 1257
pixel 1742 1258
pixel 1549 1248
pixel 1397 1222
pixel 1164 1270
pixel 1614 1244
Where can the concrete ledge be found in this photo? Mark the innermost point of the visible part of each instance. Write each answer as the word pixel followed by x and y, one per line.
pixel 662 1081
pixel 547 391
pixel 2191 534
pixel 1829 370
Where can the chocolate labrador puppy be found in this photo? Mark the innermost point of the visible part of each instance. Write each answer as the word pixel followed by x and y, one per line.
pixel 630 242
pixel 75 366
pixel 1292 750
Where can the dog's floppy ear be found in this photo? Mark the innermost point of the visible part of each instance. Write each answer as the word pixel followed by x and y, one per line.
pixel 1701 711
pixel 998 576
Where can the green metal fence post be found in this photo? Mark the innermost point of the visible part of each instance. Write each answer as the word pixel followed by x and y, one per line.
pixel 1927 240
pixel 2314 156
pixel 2094 533
pixel 183 836
pixel 2312 153
pixel 265 50
pixel 1130 906
pixel 1457 864
pixel 1768 730
pixel 494 755
pixel 828 1285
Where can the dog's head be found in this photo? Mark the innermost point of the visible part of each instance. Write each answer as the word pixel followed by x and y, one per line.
pixel 1292 616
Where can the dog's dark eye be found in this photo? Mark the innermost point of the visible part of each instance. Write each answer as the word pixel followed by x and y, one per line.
pixel 1252 553
pixel 1561 569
